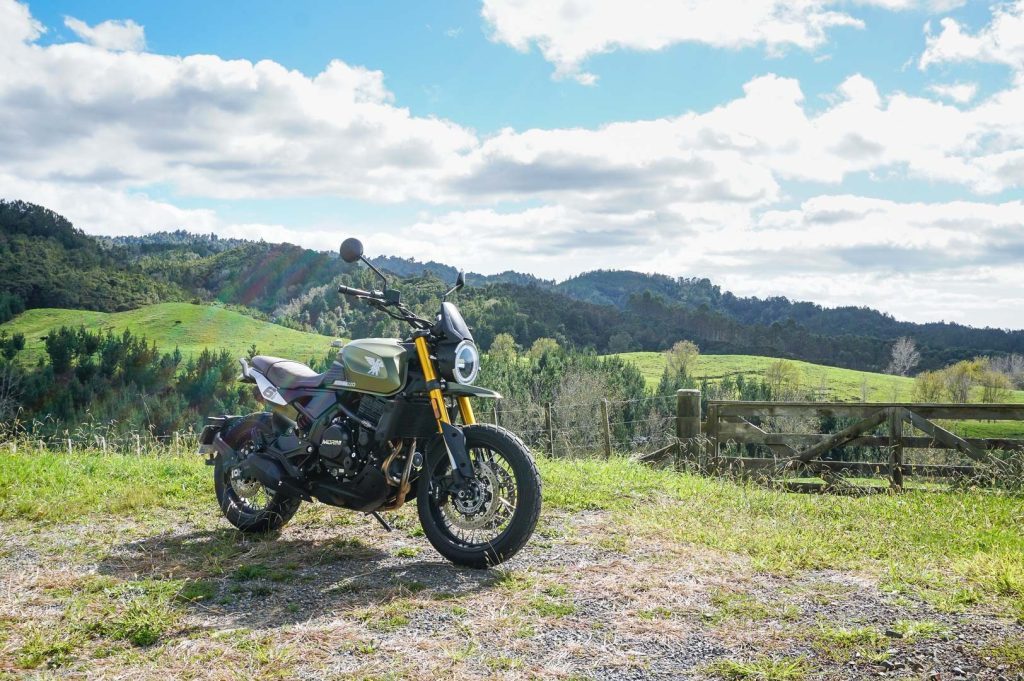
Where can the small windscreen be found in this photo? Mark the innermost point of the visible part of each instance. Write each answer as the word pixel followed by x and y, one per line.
pixel 453 324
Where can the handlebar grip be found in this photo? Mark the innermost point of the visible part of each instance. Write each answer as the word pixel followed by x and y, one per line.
pixel 349 291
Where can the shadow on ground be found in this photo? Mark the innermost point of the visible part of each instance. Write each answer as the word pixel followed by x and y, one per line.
pixel 267 581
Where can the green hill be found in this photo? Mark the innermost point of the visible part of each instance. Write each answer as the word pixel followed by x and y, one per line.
pixel 827 383
pixel 188 327
pixel 833 383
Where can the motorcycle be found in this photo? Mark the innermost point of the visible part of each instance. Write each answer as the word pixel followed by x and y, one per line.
pixel 390 420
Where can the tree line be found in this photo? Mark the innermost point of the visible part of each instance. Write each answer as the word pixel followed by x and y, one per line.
pixel 116 382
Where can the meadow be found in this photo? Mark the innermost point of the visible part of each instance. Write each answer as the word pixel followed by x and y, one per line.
pixel 185 326
pixel 115 565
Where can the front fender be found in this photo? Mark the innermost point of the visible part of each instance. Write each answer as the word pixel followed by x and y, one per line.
pixel 460 390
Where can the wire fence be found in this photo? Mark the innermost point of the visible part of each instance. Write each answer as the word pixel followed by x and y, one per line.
pixel 594 428
pixel 561 429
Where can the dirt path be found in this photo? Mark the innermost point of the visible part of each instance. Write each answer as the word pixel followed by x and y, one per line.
pixel 336 597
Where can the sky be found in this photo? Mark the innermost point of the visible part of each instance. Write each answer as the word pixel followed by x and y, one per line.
pixel 847 152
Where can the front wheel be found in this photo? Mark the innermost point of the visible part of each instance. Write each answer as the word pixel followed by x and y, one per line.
pixel 494 519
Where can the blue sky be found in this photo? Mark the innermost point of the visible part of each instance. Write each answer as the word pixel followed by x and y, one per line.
pixel 686 137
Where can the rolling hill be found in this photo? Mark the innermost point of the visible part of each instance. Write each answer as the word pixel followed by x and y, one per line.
pixel 831 383
pixel 828 383
pixel 188 327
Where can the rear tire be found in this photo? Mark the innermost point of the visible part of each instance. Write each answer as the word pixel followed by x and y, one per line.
pixel 441 518
pixel 240 510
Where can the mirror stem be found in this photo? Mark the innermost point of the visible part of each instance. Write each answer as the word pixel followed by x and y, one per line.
pixel 376 271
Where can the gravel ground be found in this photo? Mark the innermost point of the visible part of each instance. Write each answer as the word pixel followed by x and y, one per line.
pixel 334 596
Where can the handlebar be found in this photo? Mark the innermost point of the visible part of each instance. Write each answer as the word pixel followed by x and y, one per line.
pixel 349 291
pixel 381 302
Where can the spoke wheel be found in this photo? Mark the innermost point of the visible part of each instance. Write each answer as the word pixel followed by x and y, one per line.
pixel 246 503
pixel 488 520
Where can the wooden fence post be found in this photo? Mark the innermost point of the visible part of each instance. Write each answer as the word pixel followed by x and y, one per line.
pixel 69 446
pixel 712 434
pixel 550 428
pixel 138 445
pixel 607 429
pixel 103 443
pixel 177 444
pixel 688 423
pixel 896 448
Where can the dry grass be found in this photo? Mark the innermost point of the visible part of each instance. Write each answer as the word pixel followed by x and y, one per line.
pixel 620 580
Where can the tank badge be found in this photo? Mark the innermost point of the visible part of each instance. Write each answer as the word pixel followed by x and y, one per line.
pixel 376 364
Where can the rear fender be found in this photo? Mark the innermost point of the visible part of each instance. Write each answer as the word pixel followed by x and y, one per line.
pixel 210 441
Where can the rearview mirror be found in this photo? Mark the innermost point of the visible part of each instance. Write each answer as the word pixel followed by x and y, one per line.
pixel 460 281
pixel 351 250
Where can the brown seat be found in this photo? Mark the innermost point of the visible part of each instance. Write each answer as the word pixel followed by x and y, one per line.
pixel 287 374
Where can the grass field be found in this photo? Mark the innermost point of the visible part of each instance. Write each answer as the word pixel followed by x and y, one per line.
pixel 839 384
pixel 188 327
pixel 115 566
pixel 826 383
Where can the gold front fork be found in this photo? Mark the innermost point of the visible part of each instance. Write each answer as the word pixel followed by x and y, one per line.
pixel 467 410
pixel 436 396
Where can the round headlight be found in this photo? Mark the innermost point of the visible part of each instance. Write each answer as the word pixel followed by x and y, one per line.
pixel 467 362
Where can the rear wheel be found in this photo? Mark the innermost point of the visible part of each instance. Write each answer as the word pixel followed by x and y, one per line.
pixel 490 521
pixel 246 503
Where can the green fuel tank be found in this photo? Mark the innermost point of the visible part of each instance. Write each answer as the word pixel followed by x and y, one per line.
pixel 374 365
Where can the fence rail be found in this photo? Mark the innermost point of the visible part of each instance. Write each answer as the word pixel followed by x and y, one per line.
pixel 735 432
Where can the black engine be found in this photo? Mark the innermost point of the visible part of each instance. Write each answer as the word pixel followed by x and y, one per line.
pixel 346 445
pixel 343 466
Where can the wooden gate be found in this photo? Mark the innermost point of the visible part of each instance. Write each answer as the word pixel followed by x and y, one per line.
pixel 890 427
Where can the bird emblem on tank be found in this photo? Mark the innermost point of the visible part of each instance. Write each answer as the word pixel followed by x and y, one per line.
pixel 376 366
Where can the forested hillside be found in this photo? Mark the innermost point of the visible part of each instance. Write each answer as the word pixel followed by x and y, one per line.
pixel 46 262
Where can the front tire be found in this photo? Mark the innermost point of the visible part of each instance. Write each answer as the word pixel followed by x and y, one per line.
pixel 492 528
pixel 245 503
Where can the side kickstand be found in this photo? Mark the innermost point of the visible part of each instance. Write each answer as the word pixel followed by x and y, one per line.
pixel 380 519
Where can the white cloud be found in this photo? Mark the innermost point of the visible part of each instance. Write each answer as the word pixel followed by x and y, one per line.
pixel 743 149
pixel 568 32
pixel 99 210
pixel 961 93
pixel 204 126
pixel 17 25
pixel 110 35
pixel 1001 42
pixel 211 127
